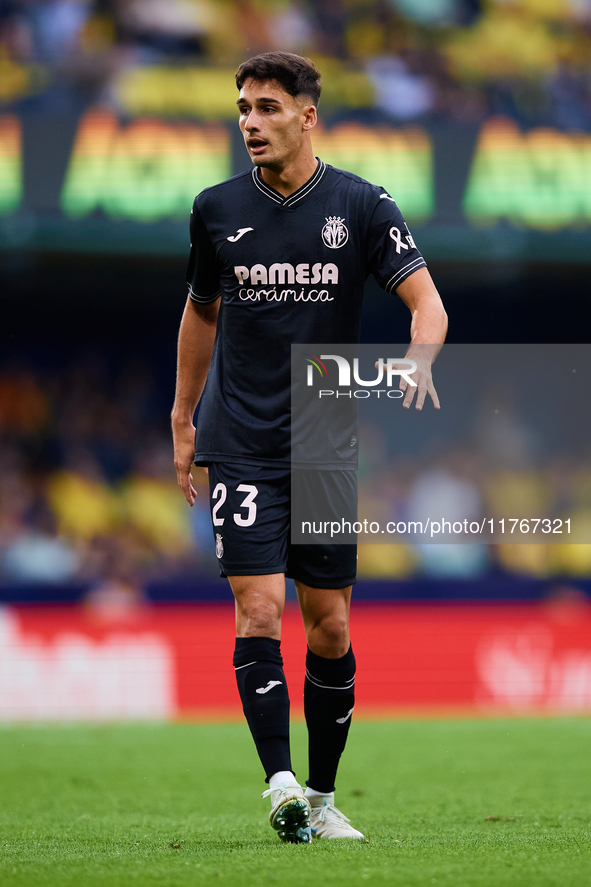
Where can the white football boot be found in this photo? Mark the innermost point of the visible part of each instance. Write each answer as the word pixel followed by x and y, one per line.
pixel 290 813
pixel 327 821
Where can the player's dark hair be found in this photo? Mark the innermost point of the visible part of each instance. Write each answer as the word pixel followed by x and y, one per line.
pixel 297 75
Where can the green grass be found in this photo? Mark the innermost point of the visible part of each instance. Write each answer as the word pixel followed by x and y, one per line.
pixel 179 805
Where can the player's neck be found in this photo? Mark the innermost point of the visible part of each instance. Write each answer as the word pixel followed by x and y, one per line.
pixel 290 177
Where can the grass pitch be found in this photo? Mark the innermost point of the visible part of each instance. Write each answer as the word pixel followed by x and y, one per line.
pixel 446 803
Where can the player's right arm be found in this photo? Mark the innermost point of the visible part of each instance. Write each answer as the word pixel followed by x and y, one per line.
pixel 195 348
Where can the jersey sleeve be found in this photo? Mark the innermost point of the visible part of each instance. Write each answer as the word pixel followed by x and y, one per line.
pixel 202 271
pixel 392 255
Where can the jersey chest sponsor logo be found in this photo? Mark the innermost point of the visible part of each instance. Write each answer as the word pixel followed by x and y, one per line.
pixel 284 272
pixel 335 233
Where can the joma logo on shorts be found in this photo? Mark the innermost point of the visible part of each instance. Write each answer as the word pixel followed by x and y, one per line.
pixel 283 272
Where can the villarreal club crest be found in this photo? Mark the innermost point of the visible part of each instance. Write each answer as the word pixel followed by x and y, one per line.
pixel 335 233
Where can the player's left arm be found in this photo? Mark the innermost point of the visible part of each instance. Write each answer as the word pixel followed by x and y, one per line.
pixel 398 267
pixel 428 328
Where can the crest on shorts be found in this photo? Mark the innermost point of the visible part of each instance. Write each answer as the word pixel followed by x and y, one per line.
pixel 219 546
pixel 335 233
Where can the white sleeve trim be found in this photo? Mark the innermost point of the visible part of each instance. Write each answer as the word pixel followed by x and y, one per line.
pixel 202 300
pixel 404 272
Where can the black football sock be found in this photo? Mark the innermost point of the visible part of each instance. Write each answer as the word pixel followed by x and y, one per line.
pixel 328 705
pixel 265 700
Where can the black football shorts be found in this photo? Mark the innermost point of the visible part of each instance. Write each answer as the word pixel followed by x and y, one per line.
pixel 251 515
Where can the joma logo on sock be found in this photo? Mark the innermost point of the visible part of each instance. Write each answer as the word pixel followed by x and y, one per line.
pixel 269 686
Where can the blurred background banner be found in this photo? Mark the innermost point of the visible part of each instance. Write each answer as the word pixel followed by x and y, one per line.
pixel 68 664
pixel 104 183
pixel 475 115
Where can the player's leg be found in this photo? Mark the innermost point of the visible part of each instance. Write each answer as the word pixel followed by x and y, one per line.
pixel 329 699
pixel 329 688
pixel 250 512
pixel 265 699
pixel 259 666
pixel 324 574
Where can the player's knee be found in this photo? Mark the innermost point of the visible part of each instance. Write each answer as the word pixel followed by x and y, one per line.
pixel 330 636
pixel 259 619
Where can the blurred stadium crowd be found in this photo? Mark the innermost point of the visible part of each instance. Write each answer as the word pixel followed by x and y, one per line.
pixel 405 59
pixel 88 493
pixel 87 486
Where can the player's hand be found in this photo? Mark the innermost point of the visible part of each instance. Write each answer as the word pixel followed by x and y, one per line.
pixel 184 454
pixel 422 376
pixel 423 356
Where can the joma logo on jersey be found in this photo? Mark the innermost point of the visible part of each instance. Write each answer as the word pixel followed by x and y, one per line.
pixel 283 272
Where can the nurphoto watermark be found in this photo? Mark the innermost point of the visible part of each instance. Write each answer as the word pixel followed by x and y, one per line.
pixel 505 459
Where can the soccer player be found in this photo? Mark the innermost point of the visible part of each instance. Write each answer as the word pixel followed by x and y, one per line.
pixel 279 255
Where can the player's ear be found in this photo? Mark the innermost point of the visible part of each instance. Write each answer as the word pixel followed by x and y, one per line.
pixel 310 117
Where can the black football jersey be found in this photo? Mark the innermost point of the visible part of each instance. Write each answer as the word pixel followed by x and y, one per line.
pixel 288 270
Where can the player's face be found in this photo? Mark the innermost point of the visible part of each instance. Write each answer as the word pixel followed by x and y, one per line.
pixel 274 124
